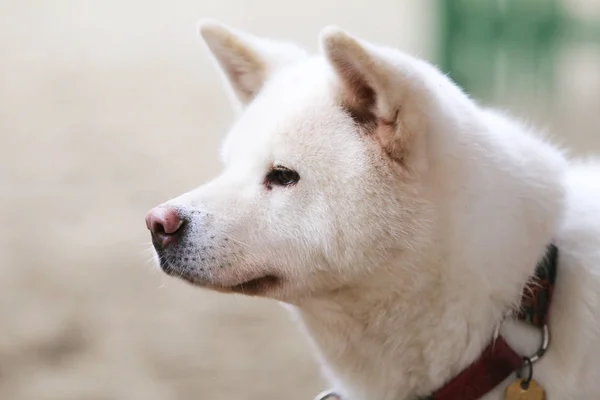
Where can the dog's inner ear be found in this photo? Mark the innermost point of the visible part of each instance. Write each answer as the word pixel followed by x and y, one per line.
pixel 358 97
pixel 246 61
pixel 363 78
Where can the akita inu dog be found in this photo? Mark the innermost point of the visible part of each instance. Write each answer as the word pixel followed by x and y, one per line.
pixel 404 225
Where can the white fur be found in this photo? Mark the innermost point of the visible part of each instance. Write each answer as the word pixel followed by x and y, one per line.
pixel 400 272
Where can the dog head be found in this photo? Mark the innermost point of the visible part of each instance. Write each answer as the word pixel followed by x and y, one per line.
pixel 323 178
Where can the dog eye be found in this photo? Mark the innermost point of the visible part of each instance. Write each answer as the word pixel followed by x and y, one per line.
pixel 281 176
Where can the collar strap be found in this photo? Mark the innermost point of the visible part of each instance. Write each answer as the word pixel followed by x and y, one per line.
pixel 498 361
pixel 494 365
pixel 535 302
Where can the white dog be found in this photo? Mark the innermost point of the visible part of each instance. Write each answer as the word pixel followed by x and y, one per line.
pixel 398 219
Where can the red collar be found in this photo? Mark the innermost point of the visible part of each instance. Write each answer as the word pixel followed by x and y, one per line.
pixel 498 361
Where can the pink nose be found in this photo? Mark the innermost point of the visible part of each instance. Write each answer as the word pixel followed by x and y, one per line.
pixel 164 224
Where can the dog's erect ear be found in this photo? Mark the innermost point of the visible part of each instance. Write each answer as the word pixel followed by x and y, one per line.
pixel 246 60
pixel 380 88
pixel 364 73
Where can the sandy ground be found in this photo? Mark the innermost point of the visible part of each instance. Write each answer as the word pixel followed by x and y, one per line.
pixel 107 109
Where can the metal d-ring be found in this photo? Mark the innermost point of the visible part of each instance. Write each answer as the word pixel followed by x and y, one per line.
pixel 529 361
pixel 526 381
pixel 543 346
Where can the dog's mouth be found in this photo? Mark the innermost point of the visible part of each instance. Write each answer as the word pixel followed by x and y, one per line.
pixel 251 287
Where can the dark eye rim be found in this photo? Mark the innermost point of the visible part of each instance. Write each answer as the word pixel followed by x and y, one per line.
pixel 281 176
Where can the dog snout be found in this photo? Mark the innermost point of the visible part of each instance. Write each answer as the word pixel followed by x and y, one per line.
pixel 164 224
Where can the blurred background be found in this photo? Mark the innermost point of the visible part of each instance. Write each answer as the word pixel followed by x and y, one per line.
pixel 110 107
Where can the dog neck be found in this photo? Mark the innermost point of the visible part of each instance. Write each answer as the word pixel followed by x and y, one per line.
pixel 477 375
pixel 379 340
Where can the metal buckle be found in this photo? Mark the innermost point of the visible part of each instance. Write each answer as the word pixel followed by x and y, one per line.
pixel 328 395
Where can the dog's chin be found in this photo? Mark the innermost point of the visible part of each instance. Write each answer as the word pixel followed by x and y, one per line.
pixel 261 286
pixel 258 286
pixel 254 287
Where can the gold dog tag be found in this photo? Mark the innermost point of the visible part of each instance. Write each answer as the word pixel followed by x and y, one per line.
pixel 516 392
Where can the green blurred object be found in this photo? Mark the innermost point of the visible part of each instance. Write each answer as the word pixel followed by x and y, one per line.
pixel 489 46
